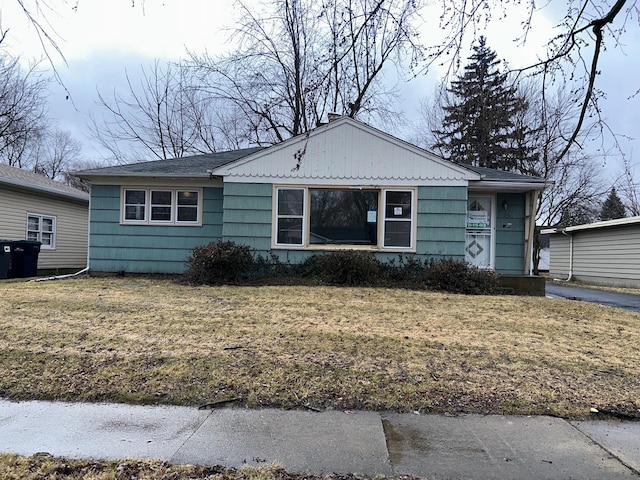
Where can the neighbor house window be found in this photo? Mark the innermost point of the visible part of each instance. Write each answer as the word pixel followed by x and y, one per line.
pixel 42 228
pixel 161 206
pixel 358 217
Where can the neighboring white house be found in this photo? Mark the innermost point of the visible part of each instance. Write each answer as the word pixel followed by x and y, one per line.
pixel 33 207
pixel 602 253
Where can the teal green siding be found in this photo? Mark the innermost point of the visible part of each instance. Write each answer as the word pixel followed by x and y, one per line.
pixel 510 234
pixel 243 213
pixel 440 229
pixel 247 215
pixel 146 248
pixel 441 222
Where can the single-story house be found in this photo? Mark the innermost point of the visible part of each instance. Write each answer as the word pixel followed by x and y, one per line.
pixel 602 253
pixel 343 185
pixel 36 208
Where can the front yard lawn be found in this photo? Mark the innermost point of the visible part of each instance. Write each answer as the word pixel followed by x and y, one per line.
pixel 149 340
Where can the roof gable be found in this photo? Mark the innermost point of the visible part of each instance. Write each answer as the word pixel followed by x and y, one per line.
pixel 21 178
pixel 346 151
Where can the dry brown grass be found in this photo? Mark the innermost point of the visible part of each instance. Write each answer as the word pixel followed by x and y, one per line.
pixel 145 340
pixel 44 466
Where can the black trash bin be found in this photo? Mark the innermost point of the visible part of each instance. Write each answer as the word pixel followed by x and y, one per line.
pixel 24 258
pixel 5 259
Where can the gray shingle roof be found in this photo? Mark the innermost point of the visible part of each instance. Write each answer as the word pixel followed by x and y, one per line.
pixel 19 177
pixel 194 166
pixel 199 165
pixel 490 174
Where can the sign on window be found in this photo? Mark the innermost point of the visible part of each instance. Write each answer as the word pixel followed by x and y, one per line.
pixel 478 220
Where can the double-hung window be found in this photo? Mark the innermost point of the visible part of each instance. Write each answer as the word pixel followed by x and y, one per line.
pixel 161 206
pixel 42 228
pixel 135 205
pixel 289 216
pixel 398 218
pixel 161 203
pixel 373 218
pixel 187 206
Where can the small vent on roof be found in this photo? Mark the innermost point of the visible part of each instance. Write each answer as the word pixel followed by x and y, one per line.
pixel 333 116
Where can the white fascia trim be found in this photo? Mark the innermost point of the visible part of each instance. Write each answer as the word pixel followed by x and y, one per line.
pixel 593 226
pixel 497 186
pixel 350 182
pixel 153 181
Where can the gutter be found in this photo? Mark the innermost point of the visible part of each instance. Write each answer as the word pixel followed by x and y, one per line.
pixel 506 186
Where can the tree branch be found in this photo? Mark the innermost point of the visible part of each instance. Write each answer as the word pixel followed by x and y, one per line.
pixel 597 26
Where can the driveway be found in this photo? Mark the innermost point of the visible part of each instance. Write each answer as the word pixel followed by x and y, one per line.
pixel 626 301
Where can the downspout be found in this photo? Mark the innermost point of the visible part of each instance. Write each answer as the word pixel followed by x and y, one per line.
pixel 570 257
pixel 60 277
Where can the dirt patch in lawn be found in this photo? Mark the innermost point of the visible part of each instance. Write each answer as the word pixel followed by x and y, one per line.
pixel 144 340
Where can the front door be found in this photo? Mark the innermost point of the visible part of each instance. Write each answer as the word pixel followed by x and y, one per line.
pixel 479 238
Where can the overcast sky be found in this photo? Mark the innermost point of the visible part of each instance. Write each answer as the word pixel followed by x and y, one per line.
pixel 100 38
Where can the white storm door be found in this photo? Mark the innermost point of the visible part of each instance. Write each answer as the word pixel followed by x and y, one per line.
pixel 479 238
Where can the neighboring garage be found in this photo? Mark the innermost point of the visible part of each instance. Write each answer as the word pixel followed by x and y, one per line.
pixel 43 212
pixel 602 253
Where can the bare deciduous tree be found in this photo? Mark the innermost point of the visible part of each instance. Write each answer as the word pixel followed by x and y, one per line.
pixel 58 154
pixel 629 187
pixel 575 180
pixel 298 60
pixel 22 110
pixel 295 62
pixel 164 116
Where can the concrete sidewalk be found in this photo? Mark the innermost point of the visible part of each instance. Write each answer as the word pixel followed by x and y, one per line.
pixel 367 443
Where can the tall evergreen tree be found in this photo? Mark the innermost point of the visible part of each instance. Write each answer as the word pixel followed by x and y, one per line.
pixel 612 207
pixel 480 125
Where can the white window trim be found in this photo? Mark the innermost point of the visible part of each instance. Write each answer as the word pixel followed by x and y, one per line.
pixel 277 217
pixel 381 217
pixel 54 234
pixel 172 205
pixel 173 221
pixel 411 220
